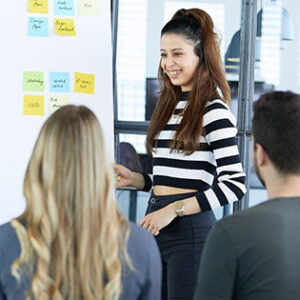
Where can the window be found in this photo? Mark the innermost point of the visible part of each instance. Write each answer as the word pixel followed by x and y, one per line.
pixel 271 44
pixel 131 59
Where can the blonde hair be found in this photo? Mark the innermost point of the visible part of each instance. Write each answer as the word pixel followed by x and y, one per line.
pixel 75 239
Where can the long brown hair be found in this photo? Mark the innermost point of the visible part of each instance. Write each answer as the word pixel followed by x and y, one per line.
pixel 75 234
pixel 197 27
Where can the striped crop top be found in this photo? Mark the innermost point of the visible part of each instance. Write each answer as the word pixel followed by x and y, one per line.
pixel 215 171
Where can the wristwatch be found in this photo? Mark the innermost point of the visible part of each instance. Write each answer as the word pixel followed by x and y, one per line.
pixel 179 208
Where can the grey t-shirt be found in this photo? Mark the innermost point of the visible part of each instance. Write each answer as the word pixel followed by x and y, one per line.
pixel 253 255
pixel 144 283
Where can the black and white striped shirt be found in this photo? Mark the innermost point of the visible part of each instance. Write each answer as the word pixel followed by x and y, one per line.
pixel 215 171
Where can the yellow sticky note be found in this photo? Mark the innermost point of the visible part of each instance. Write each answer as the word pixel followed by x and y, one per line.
pixel 64 26
pixel 84 83
pixel 57 101
pixel 33 105
pixel 38 6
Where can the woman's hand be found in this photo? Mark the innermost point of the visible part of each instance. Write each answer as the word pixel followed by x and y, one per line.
pixel 159 219
pixel 124 176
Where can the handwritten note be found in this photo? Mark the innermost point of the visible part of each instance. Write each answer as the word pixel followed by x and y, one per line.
pixel 38 6
pixel 64 7
pixel 33 81
pixel 57 101
pixel 64 26
pixel 38 26
pixel 33 105
pixel 59 82
pixel 84 83
pixel 88 7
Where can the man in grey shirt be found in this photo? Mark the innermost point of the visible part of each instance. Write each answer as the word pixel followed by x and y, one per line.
pixel 255 254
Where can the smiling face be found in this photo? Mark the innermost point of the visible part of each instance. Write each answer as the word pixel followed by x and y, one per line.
pixel 178 60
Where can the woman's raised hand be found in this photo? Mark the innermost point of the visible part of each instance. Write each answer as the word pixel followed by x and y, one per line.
pixel 123 175
pixel 126 177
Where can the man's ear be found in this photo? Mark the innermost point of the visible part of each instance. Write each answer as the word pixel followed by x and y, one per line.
pixel 261 155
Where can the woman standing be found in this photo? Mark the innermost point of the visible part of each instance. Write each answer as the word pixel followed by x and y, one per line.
pixel 72 242
pixel 196 164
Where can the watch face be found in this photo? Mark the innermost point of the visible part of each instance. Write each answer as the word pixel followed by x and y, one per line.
pixel 178 205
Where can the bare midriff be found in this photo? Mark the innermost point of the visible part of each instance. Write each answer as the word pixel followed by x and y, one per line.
pixel 162 190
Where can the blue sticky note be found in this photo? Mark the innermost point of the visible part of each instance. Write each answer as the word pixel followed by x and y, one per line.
pixel 60 82
pixel 64 7
pixel 38 26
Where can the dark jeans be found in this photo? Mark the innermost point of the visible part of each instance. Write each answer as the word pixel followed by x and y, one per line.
pixel 181 244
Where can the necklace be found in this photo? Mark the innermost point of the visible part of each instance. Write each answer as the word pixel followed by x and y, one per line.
pixel 176 116
pixel 180 114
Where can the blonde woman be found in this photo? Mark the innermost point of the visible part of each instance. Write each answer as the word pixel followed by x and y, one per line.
pixel 72 241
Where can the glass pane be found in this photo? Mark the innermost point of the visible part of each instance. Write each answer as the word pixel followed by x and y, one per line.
pixel 278 64
pixel 137 140
pixel 132 153
pixel 279 56
pixel 127 204
pixel 131 59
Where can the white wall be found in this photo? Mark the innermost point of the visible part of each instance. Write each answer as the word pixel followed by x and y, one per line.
pixel 88 52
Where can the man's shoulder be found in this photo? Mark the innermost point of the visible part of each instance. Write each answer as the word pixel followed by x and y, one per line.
pixel 246 219
pixel 269 213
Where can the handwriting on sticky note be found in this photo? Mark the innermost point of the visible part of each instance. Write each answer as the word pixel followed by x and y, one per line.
pixel 33 81
pixel 33 105
pixel 38 6
pixel 64 7
pixel 38 26
pixel 64 26
pixel 88 7
pixel 60 82
pixel 84 83
pixel 57 101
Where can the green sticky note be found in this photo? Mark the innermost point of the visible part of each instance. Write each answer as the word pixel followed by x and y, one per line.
pixel 33 81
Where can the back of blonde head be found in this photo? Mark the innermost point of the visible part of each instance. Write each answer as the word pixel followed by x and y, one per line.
pixel 75 236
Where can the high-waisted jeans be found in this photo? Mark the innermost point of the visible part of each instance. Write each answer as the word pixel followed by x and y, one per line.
pixel 181 244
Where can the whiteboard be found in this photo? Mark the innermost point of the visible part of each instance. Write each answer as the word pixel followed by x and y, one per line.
pixel 87 52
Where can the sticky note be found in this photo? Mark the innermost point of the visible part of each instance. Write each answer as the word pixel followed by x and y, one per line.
pixel 33 105
pixel 59 82
pixel 64 26
pixel 88 8
pixel 57 101
pixel 38 6
pixel 64 7
pixel 84 83
pixel 33 81
pixel 38 26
